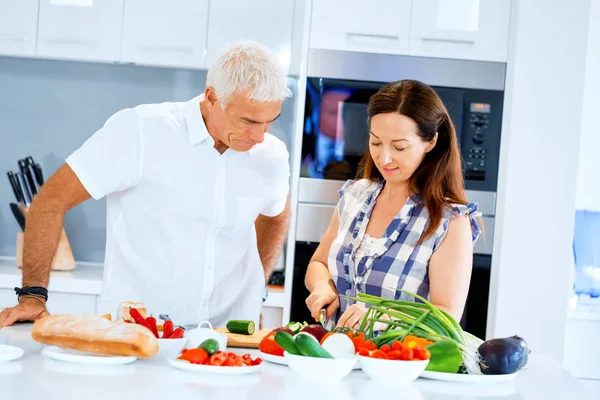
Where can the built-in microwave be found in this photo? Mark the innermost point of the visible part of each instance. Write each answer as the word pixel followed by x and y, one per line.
pixel 335 137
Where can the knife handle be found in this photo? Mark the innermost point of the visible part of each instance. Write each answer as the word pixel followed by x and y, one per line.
pixel 24 189
pixel 15 188
pixel 27 177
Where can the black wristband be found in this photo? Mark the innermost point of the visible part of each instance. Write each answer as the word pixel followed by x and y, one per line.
pixel 37 291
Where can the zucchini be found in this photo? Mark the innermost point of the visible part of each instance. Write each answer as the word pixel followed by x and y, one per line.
pixel 210 345
pixel 286 342
pixel 309 346
pixel 240 326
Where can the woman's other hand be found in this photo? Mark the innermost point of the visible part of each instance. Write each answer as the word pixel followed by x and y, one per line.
pixel 352 317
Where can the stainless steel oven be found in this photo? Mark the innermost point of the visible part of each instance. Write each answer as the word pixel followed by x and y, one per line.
pixel 335 136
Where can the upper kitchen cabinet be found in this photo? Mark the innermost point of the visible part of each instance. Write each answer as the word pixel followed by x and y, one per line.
pixel 165 33
pixel 460 29
pixel 268 22
pixel 18 27
pixel 80 29
pixel 379 26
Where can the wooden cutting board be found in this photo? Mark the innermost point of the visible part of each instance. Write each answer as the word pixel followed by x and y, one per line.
pixel 243 341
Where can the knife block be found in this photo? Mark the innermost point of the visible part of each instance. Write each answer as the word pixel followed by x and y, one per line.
pixel 63 258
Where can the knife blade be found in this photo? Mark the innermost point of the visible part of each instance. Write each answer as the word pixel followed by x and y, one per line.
pixel 15 188
pixel 19 215
pixel 28 175
pixel 23 189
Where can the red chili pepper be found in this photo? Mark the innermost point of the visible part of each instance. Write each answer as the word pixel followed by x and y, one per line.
pixel 152 324
pixel 137 317
pixel 177 333
pixel 167 329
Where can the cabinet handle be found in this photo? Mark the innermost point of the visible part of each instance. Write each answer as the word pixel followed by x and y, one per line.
pixel 72 42
pixel 447 40
pixel 10 38
pixel 370 37
pixel 168 49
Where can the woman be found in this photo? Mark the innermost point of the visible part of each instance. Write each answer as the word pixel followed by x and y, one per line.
pixel 406 224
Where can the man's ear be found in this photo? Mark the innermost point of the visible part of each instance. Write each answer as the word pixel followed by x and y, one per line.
pixel 211 97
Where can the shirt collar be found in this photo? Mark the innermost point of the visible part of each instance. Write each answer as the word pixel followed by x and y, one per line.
pixel 197 131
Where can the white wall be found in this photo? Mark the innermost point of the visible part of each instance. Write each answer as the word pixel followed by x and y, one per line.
pixel 588 178
pixel 537 182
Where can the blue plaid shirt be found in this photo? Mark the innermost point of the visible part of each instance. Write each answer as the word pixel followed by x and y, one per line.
pixel 393 261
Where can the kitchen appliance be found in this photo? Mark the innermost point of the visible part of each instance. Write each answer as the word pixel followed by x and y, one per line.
pixel 339 86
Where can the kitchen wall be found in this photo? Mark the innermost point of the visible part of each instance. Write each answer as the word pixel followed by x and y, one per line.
pixel 49 108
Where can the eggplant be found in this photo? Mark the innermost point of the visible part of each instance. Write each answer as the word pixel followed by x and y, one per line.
pixel 315 330
pixel 503 355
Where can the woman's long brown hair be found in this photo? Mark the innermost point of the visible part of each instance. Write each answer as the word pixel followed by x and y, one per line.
pixel 438 180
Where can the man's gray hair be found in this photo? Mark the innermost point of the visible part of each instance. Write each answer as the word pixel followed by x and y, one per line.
pixel 248 66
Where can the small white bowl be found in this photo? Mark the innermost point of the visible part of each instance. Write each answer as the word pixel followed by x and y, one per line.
pixel 397 371
pixel 170 348
pixel 198 335
pixel 321 369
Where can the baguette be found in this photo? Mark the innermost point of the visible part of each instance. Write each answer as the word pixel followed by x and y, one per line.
pixel 95 334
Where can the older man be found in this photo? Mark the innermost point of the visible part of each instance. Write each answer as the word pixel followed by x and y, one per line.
pixel 197 192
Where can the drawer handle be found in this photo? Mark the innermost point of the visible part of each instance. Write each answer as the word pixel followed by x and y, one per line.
pixel 72 42
pixel 10 38
pixel 168 49
pixel 448 40
pixel 369 37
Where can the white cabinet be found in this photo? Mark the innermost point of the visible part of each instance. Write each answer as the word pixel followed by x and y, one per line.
pixel 157 32
pixel 80 29
pixel 268 22
pixel 460 29
pixel 18 27
pixel 58 302
pixel 379 26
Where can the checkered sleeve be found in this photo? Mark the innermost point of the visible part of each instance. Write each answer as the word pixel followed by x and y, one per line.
pixel 470 209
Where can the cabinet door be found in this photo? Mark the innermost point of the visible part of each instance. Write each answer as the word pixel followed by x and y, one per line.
pixel 461 29
pixel 379 26
pixel 157 32
pixel 18 27
pixel 80 29
pixel 268 22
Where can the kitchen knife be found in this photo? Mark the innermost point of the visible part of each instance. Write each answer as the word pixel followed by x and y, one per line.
pixel 23 189
pixel 19 216
pixel 28 176
pixel 15 188
pixel 37 170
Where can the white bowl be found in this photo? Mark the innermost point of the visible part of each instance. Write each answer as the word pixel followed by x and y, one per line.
pixel 198 335
pixel 397 371
pixel 170 348
pixel 321 369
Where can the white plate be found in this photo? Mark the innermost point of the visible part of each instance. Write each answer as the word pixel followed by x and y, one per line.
pixel 74 356
pixel 212 369
pixel 467 378
pixel 10 353
pixel 273 359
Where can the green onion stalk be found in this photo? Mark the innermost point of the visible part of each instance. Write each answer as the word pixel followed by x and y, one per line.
pixel 401 318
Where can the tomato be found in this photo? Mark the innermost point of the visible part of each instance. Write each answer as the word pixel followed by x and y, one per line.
pixel 394 355
pixel 378 354
pixel 357 343
pixel 406 354
pixel 257 361
pixel 423 354
pixel 397 345
pixel 269 345
pixel 385 348
pixel 195 356
pixel 368 345
pixel 217 359
pixel 364 352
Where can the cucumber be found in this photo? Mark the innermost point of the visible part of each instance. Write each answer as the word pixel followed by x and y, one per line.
pixel 309 346
pixel 210 345
pixel 240 326
pixel 286 342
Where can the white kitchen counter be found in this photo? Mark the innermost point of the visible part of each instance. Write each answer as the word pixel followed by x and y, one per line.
pixel 35 377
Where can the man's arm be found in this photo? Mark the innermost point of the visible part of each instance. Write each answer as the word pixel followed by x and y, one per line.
pixel 42 233
pixel 271 233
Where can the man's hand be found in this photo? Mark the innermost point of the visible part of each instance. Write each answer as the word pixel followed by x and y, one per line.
pixel 29 309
